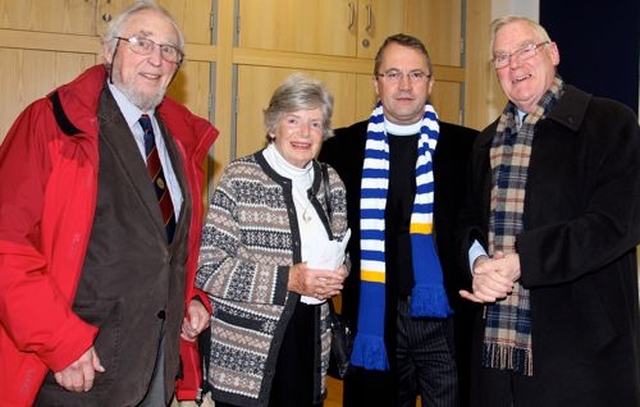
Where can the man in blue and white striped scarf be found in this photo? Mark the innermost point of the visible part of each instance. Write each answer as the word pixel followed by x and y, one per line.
pixel 404 344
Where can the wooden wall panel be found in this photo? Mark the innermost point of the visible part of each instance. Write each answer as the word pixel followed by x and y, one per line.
pixel 484 100
pixel 315 35
pixel 438 24
pixel 191 86
pixel 20 67
pixel 318 27
pixel 61 16
pixel 377 19
pixel 255 87
pixel 445 98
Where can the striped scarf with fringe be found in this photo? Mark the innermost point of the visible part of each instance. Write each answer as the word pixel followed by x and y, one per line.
pixel 428 297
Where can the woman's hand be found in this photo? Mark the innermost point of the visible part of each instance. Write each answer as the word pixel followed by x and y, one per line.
pixel 196 321
pixel 318 283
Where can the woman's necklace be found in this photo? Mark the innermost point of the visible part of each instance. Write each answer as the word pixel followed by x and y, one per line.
pixel 303 204
pixel 301 179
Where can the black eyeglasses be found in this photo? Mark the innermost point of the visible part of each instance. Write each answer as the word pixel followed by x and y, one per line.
pixel 395 76
pixel 521 54
pixel 145 46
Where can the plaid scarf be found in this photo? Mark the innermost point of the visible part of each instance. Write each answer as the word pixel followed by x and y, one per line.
pixel 428 298
pixel 507 340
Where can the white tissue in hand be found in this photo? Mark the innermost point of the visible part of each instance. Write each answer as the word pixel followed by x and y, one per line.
pixel 330 256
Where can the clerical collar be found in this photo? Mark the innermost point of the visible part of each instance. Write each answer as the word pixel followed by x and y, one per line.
pixel 402 129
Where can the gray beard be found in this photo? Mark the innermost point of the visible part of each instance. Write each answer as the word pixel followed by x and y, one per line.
pixel 143 102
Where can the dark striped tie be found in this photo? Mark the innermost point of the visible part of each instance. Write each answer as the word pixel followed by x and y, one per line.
pixel 157 176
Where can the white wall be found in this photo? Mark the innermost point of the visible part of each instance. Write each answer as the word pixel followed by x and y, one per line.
pixel 527 8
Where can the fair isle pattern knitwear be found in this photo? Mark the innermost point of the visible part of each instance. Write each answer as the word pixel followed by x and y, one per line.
pixel 249 240
pixel 428 298
pixel 507 341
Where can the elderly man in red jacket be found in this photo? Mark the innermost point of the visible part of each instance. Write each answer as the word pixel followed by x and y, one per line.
pixel 100 220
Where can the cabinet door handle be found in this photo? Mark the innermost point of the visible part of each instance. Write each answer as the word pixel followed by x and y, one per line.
pixel 352 15
pixel 369 9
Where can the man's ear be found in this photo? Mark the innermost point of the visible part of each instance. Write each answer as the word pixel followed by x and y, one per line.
pixel 374 82
pixel 107 55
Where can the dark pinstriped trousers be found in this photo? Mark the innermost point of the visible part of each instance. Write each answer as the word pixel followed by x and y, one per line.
pixel 426 366
pixel 426 360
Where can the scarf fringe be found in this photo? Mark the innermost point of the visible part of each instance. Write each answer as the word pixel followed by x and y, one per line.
pixel 429 301
pixel 508 358
pixel 369 352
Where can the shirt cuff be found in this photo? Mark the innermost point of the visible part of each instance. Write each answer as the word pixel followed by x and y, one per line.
pixel 475 251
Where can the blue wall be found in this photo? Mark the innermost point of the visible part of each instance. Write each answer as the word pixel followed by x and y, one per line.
pixel 599 45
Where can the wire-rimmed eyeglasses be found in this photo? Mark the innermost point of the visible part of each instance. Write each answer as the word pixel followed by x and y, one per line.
pixel 395 76
pixel 145 46
pixel 521 54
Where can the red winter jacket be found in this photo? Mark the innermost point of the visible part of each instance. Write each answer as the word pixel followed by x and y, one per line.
pixel 48 192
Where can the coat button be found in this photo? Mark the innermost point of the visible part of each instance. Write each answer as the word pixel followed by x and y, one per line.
pixel 161 314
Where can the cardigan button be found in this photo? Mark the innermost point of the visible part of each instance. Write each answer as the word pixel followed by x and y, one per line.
pixel 161 314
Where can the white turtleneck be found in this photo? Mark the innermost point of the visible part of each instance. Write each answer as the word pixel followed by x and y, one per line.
pixel 312 231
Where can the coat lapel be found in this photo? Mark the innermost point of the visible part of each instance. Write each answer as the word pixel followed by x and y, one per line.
pixel 116 135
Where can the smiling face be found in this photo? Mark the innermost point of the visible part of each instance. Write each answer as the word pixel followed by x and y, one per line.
pixel 298 136
pixel 403 101
pixel 143 78
pixel 525 82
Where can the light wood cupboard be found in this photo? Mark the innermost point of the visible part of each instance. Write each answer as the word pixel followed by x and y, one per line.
pixel 350 28
pixel 345 30
pixel 238 51
pixel 89 17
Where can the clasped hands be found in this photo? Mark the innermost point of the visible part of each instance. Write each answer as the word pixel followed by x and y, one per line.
pixel 493 278
pixel 318 283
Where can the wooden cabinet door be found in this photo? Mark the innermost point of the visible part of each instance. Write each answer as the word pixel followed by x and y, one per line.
pixel 325 27
pixel 438 23
pixel 90 17
pixel 193 16
pixel 59 16
pixel 366 96
pixel 377 19
pixel 445 98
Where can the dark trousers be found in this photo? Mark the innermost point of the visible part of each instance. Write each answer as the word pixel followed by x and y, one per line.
pixel 426 360
pixel 155 394
pixel 425 365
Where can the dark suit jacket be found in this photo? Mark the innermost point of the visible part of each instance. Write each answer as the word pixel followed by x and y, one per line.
pixel 345 153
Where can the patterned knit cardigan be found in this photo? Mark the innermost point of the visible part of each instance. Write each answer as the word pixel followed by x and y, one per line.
pixel 250 239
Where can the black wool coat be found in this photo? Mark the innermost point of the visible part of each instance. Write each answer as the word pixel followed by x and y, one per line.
pixel 577 251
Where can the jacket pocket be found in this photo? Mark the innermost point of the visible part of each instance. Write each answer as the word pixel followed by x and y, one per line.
pixel 106 315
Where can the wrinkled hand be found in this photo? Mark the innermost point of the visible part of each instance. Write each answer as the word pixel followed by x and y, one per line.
pixel 196 321
pixel 321 284
pixel 79 375
pixel 494 278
